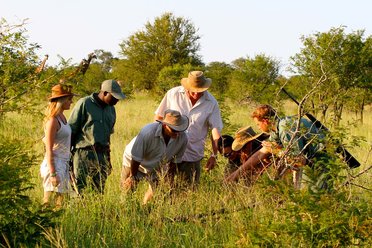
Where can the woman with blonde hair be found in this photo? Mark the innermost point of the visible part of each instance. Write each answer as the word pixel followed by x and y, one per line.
pixel 57 140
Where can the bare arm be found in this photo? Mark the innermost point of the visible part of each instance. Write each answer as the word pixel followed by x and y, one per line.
pixel 134 165
pixel 215 137
pixel 248 165
pixel 51 129
pixel 211 163
pixel 130 182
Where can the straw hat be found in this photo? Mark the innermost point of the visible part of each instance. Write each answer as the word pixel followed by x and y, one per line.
pixel 175 120
pixel 245 135
pixel 196 82
pixel 61 90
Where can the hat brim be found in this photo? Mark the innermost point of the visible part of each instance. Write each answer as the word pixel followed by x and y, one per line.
pixel 119 96
pixel 239 143
pixel 63 95
pixel 187 86
pixel 180 128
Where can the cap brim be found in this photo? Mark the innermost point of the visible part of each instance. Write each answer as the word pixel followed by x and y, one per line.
pixel 119 96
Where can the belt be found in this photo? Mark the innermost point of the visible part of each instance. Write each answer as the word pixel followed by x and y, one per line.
pixel 97 148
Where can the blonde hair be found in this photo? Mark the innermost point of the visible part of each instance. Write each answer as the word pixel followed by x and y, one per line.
pixel 54 108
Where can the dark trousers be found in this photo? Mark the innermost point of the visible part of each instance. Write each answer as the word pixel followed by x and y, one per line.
pixel 189 172
pixel 91 168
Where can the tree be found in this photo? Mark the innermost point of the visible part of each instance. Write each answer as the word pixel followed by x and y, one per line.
pixel 18 62
pixel 254 79
pixel 170 77
pixel 220 73
pixel 338 59
pixel 22 221
pixel 104 59
pixel 169 40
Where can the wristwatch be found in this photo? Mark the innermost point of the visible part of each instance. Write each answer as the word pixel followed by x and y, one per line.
pixel 213 156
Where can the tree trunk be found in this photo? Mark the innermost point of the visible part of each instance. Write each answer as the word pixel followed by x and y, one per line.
pixel 337 111
pixel 362 110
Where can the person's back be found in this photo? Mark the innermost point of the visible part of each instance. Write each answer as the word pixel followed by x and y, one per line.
pixel 306 141
pixel 158 147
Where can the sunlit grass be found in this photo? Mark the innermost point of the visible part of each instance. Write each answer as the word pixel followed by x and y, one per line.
pixel 212 215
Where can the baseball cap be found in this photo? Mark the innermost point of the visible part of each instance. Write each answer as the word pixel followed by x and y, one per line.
pixel 113 87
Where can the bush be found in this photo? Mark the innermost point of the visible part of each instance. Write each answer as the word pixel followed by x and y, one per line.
pixel 22 221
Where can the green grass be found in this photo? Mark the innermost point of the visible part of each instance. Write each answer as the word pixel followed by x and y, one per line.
pixel 269 214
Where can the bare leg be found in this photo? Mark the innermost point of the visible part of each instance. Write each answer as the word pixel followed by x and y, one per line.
pixel 46 198
pixel 58 200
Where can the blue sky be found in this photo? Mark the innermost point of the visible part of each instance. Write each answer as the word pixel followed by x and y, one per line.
pixel 229 29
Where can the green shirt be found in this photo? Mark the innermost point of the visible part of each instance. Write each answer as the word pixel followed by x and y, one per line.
pixel 91 123
pixel 306 141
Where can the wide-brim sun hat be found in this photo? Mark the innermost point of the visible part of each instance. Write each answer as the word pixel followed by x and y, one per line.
pixel 61 90
pixel 174 120
pixel 196 82
pixel 112 86
pixel 245 135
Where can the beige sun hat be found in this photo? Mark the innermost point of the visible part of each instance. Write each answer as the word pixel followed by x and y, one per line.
pixel 174 120
pixel 245 135
pixel 196 82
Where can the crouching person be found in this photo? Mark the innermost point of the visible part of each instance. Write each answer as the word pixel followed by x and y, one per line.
pixel 303 146
pixel 239 149
pixel 156 144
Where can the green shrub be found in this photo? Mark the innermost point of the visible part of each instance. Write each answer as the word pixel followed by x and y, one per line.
pixel 21 220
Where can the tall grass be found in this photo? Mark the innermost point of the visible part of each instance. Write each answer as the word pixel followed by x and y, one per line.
pixel 213 215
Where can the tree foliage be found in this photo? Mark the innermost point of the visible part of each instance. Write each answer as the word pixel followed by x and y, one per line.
pixel 254 79
pixel 18 62
pixel 170 77
pixel 168 41
pixel 220 73
pixel 342 60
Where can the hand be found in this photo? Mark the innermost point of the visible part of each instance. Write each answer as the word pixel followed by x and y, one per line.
pixel 129 184
pixel 271 147
pixel 54 181
pixel 211 163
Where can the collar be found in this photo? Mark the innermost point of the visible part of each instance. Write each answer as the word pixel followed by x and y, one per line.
pixel 159 130
pixel 98 100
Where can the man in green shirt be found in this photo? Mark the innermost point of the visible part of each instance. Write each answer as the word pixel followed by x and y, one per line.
pixel 92 122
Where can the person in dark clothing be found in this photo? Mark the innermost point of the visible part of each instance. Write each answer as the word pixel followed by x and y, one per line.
pixel 92 123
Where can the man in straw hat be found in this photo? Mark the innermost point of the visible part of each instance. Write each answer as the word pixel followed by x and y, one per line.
pixel 156 145
pixel 193 100
pixel 301 146
pixel 92 122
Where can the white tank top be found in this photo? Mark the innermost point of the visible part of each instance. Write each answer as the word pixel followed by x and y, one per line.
pixel 62 141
